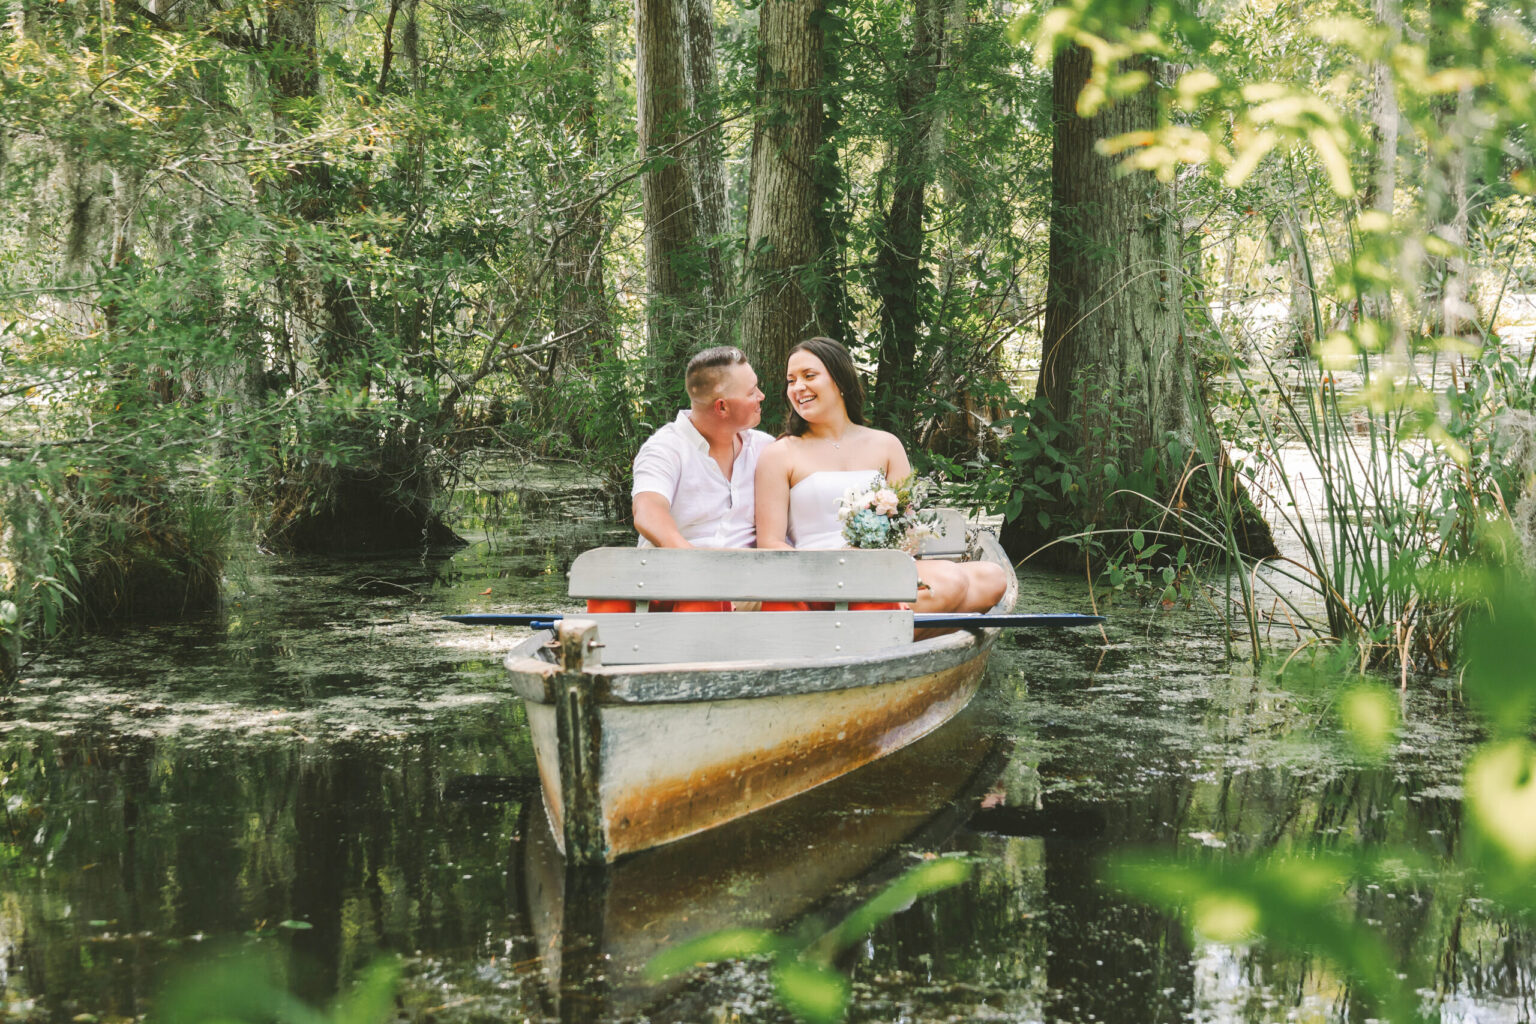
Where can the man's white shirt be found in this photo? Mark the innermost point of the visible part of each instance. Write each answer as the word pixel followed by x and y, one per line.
pixel 710 511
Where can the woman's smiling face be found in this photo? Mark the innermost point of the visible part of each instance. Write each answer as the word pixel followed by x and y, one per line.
pixel 809 387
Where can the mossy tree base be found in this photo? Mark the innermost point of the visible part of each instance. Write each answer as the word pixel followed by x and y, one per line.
pixel 361 514
pixel 1207 513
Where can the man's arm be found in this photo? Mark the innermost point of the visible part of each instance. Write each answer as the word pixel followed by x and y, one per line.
pixel 654 522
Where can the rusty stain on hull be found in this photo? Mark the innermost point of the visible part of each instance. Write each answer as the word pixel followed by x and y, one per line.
pixel 719 792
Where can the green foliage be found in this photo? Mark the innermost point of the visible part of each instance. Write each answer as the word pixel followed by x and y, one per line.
pixel 802 971
pixel 247 985
pixel 1306 900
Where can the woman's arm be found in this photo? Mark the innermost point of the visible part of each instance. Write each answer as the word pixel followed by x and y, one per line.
pixel 897 466
pixel 771 485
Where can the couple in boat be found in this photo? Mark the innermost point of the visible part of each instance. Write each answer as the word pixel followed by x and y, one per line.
pixel 709 479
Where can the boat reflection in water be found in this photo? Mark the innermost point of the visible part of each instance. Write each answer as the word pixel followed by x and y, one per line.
pixel 597 928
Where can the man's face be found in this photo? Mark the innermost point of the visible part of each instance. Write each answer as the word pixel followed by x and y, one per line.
pixel 741 401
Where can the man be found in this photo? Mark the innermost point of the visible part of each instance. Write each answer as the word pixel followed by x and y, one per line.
pixel 693 477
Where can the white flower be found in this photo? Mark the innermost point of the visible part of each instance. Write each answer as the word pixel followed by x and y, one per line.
pixel 886 502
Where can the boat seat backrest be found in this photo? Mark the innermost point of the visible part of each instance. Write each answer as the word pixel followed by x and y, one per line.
pixel 644 575
pixel 948 541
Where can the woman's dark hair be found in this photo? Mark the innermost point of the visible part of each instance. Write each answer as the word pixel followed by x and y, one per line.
pixel 844 374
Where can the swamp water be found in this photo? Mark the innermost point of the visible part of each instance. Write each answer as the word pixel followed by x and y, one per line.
pixel 328 772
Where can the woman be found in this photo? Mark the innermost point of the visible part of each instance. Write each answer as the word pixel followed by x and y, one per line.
pixel 826 449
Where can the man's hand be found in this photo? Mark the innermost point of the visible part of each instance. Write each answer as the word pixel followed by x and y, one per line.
pixel 654 522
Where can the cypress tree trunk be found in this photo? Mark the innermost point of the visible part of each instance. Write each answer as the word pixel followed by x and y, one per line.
pixel 1115 370
pixel 584 315
pixel 707 159
pixel 786 238
pixel 899 271
pixel 680 260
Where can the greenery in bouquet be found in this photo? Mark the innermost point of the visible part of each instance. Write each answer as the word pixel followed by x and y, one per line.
pixel 886 515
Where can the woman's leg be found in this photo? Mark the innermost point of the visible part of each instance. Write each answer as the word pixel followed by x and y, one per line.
pixel 944 589
pixel 985 584
pixel 959 586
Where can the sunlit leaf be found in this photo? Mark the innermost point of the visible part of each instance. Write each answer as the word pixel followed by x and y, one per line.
pixel 1337 352
pixel 812 992
pixel 928 877
pixel 1346 31
pixel 1453 80
pixel 1334 161
pixel 1056 23
pixel 1501 798
pixel 1500 676
pixel 1248 157
pixel 1194 84
pixel 1376 222
pixel 240 986
pixel 371 999
pixel 729 944
pixel 1369 714
pixel 1224 917
pixel 1127 83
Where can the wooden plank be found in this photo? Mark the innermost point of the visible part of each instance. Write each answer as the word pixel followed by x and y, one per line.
pixel 949 541
pixel 663 574
pixel 650 639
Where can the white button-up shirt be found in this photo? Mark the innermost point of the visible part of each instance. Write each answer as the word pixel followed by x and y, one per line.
pixel 710 511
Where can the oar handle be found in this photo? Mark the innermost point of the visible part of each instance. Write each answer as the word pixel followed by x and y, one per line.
pixel 1006 620
pixel 1040 620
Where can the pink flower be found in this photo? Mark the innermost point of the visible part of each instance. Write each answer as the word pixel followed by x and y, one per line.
pixel 886 502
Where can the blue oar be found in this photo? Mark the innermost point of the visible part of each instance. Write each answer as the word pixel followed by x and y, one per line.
pixel 958 620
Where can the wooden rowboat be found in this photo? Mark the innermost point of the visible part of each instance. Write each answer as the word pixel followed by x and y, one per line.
pixel 650 727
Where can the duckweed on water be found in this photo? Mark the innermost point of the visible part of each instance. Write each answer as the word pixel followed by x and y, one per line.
pixel 327 751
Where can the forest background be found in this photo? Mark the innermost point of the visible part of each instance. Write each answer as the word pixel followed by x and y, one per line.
pixel 274 274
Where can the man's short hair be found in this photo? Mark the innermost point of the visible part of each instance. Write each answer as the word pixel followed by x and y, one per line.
pixel 706 371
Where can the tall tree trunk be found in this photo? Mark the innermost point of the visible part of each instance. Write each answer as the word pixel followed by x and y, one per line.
pixel 1379 182
pixel 1379 178
pixel 1445 195
pixel 584 315
pixel 1114 370
pixel 684 310
pixel 899 270
pixel 786 238
pixel 1286 239
pixel 707 157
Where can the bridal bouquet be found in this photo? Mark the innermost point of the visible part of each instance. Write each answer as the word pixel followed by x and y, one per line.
pixel 886 515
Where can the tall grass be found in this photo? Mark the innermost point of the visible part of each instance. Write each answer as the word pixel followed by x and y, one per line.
pixel 1410 469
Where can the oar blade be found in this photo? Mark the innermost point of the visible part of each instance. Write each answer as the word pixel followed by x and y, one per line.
pixel 533 620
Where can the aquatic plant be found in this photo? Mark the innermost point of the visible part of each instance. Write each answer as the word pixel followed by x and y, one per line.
pixel 1307 900
pixel 802 971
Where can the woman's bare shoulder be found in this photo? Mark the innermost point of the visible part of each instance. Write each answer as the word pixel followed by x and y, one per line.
pixel 777 453
pixel 884 439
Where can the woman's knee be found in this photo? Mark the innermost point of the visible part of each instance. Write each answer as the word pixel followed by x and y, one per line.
pixel 945 586
pixel 986 585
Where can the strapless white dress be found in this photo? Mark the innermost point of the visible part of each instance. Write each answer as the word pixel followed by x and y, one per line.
pixel 813 505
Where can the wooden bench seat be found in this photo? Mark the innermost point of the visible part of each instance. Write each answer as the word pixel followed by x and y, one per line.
pixel 645 575
pixel 949 539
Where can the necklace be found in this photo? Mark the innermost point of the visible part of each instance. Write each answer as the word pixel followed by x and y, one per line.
pixel 833 441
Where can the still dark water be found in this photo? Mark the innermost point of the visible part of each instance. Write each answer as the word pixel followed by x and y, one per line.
pixel 327 772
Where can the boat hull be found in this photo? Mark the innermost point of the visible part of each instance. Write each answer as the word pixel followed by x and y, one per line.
pixel 674 769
